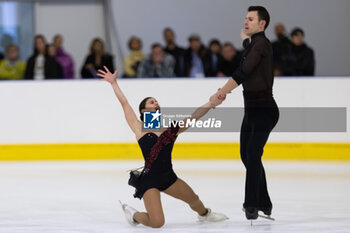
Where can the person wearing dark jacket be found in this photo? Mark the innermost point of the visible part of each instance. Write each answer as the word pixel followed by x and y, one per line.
pixel 96 60
pixel 304 55
pixel 157 65
pixel 177 52
pixel 51 51
pixel 40 65
pixel 212 58
pixel 194 56
pixel 283 57
pixel 230 60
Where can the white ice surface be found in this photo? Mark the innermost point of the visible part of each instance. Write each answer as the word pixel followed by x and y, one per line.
pixel 81 197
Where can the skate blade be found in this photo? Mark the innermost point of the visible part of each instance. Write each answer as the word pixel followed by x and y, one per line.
pixel 121 204
pixel 266 217
pixel 260 216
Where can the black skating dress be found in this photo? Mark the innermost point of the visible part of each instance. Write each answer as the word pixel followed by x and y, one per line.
pixel 157 154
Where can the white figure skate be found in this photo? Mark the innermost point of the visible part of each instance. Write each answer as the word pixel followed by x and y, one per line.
pixel 212 217
pixel 129 213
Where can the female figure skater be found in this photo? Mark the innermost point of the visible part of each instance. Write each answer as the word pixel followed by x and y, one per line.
pixel 158 175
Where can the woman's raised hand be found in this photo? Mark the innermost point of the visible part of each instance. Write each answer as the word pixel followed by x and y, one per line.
pixel 107 75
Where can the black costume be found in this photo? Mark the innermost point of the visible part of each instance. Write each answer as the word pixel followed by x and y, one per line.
pixel 261 115
pixel 158 171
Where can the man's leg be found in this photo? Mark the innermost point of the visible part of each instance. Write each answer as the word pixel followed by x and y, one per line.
pixel 255 177
pixel 244 139
pixel 265 203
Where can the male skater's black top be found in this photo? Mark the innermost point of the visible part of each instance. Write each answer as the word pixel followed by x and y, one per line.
pixel 255 72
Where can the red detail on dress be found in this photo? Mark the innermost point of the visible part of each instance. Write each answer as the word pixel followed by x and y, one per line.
pixel 164 139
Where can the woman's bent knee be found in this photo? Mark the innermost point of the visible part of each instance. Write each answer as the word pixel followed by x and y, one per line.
pixel 157 223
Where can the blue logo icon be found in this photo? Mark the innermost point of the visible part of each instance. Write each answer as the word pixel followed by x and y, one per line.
pixel 151 120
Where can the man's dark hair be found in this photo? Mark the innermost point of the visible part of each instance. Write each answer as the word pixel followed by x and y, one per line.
pixel 214 41
pixel 168 29
pixel 194 37
pixel 296 31
pixel 263 14
pixel 155 45
pixel 228 44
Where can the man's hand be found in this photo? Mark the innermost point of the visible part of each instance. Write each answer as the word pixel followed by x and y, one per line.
pixel 244 35
pixel 217 99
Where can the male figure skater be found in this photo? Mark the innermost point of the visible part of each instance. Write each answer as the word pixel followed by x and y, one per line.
pixel 261 113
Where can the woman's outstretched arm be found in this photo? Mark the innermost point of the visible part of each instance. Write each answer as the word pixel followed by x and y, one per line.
pixel 130 116
pixel 197 114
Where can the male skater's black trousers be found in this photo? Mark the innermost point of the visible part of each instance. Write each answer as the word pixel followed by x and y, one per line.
pixel 260 117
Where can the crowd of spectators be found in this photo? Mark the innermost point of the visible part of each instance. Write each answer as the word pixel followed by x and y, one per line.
pixel 292 57
pixel 173 60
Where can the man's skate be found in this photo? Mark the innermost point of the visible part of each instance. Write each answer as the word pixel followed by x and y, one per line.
pixel 252 213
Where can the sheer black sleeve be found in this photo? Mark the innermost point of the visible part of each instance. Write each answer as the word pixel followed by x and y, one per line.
pixel 251 58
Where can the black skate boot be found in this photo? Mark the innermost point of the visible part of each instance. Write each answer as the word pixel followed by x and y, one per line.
pixel 251 213
pixel 266 210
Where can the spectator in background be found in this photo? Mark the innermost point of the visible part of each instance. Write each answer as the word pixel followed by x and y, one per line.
pixel 283 57
pixel 51 51
pixel 132 62
pixel 194 56
pixel 277 69
pixel 40 65
pixel 304 55
pixel 157 64
pixel 11 67
pixel 211 58
pixel 5 40
pixel 96 60
pixel 63 58
pixel 177 52
pixel 230 60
